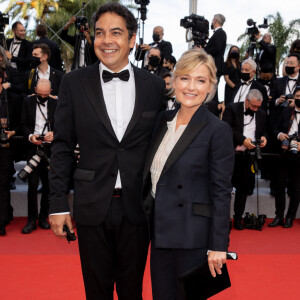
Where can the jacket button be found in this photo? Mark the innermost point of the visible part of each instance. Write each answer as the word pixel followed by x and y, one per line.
pixel 180 205
pixel 179 186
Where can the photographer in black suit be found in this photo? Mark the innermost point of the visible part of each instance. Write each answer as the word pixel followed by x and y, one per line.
pixel 165 47
pixel 248 123
pixel 19 49
pixel 288 165
pixel 154 66
pixel 37 119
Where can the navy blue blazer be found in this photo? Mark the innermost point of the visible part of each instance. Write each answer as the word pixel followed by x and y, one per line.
pixel 192 202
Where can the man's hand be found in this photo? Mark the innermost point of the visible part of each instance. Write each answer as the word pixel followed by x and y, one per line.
pixel 48 136
pixel 263 142
pixel 87 36
pixel 8 55
pixel 247 143
pixel 72 20
pixel 216 259
pixel 283 136
pixel 53 97
pixel 257 35
pixel 145 47
pixel 281 99
pixel 10 133
pixel 221 106
pixel 57 222
pixel 34 140
pixel 6 85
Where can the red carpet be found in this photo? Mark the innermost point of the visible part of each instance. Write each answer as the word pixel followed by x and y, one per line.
pixel 39 266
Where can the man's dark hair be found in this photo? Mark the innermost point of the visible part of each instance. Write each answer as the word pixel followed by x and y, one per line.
pixel 45 49
pixel 41 30
pixel 296 55
pixel 165 75
pixel 266 68
pixel 155 48
pixel 120 10
pixel 295 44
pixel 171 59
pixel 15 25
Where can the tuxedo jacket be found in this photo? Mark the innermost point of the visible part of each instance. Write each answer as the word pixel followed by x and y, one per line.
pixel 55 57
pixel 15 79
pixel 234 116
pixel 55 79
pixel 164 47
pixel 192 201
pixel 267 55
pixel 216 47
pixel 24 56
pixel 81 117
pixel 254 85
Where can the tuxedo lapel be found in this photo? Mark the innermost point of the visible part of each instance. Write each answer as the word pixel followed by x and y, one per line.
pixel 93 90
pixel 142 92
pixel 32 110
pixel 241 116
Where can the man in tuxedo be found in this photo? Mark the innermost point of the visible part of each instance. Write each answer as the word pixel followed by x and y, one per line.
pixel 248 123
pixel 19 49
pixel 41 69
pixel 288 165
pixel 267 53
pixel 55 59
pixel 108 108
pixel 37 119
pixel 170 102
pixel 165 47
pixel 154 66
pixel 248 83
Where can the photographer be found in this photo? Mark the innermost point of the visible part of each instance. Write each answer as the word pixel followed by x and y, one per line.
pixel 10 120
pixel 288 165
pixel 83 43
pixel 248 123
pixel 154 66
pixel 37 120
pixel 165 47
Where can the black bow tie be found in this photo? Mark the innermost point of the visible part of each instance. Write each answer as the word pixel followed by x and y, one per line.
pixel 17 43
pixel 249 112
pixel 297 112
pixel 40 103
pixel 246 83
pixel 108 76
pixel 292 79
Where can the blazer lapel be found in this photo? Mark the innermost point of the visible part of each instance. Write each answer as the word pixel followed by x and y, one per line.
pixel 32 110
pixel 93 90
pixel 141 97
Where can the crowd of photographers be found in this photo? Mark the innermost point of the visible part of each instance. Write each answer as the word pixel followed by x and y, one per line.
pixel 262 109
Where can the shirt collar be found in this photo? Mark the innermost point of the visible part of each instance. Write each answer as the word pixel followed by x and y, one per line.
pixel 102 67
pixel 296 77
pixel 217 28
pixel 47 72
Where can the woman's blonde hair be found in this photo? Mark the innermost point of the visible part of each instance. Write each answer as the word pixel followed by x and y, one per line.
pixel 191 60
pixel 4 63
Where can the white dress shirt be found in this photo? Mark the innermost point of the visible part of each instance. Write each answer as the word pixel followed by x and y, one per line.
pixel 45 75
pixel 81 54
pixel 242 92
pixel 249 129
pixel 14 50
pixel 294 127
pixel 119 98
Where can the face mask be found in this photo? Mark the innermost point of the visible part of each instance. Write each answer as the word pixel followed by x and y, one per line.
pixel 234 54
pixel 155 37
pixel 35 62
pixel 212 26
pixel 297 102
pixel 41 99
pixel 290 70
pixel 245 76
pixel 154 61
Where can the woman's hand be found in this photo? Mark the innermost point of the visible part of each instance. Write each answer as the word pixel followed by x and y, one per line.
pixel 216 259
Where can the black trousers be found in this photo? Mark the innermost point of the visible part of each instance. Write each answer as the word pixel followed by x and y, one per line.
pixel 288 168
pixel 6 172
pixel 40 172
pixel 242 180
pixel 114 251
pixel 167 265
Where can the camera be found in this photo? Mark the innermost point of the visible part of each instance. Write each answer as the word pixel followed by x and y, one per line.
pixel 254 29
pixel 291 143
pixel 199 26
pixel 41 137
pixel 257 150
pixel 143 9
pixel 3 139
pixel 287 97
pixel 33 163
pixel 253 222
pixel 81 23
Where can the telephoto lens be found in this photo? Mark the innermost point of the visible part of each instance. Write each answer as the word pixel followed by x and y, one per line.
pixel 31 165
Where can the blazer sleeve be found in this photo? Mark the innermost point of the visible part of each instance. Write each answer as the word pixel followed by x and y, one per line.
pixel 221 163
pixel 62 150
pixel 68 38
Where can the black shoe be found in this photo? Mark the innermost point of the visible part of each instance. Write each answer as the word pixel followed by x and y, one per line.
pixel 12 186
pixel 288 223
pixel 250 192
pixel 30 226
pixel 2 229
pixel 43 223
pixel 276 222
pixel 237 223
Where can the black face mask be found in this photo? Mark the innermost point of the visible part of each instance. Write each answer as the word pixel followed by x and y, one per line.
pixel 234 55
pixel 41 99
pixel 154 61
pixel 35 62
pixel 155 37
pixel 289 70
pixel 245 76
pixel 297 102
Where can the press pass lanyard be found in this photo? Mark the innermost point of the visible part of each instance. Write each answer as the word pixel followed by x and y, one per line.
pixel 47 123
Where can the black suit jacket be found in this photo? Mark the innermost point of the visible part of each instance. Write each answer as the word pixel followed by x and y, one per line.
pixel 15 79
pixel 267 55
pixel 254 85
pixel 55 79
pixel 193 193
pixel 24 56
pixel 164 47
pixel 81 117
pixel 234 116
pixel 55 58
pixel 216 47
